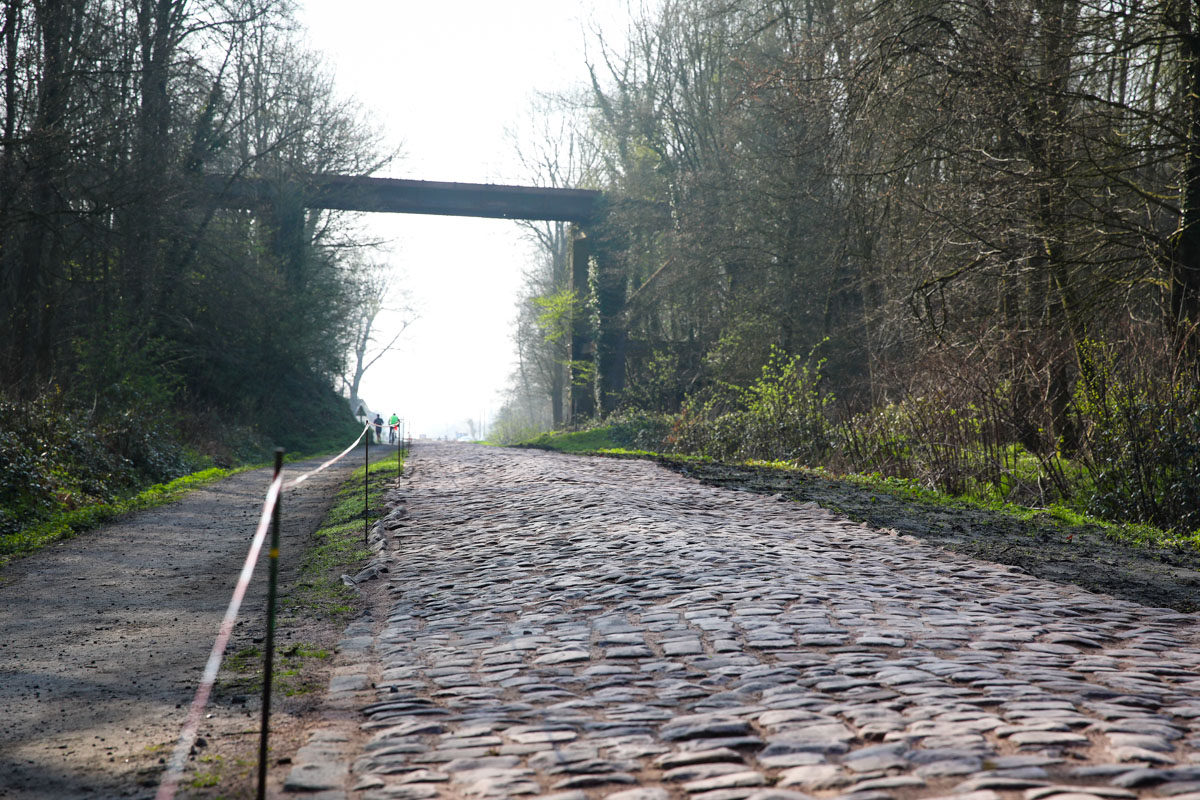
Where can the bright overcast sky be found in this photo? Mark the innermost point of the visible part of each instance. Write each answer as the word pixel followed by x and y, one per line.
pixel 444 80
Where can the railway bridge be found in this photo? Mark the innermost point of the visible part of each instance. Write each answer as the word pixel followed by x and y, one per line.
pixel 282 204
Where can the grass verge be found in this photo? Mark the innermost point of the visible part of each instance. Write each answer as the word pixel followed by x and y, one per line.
pixel 65 524
pixel 594 440
pixel 339 545
pixel 69 523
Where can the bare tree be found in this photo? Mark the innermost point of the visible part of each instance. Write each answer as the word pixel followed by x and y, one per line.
pixel 379 300
pixel 554 150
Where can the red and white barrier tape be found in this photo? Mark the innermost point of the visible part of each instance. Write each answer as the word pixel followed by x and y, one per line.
pixel 191 726
pixel 292 484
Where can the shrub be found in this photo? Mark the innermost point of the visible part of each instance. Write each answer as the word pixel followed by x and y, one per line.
pixel 57 458
pixel 1142 442
pixel 781 416
pixel 960 451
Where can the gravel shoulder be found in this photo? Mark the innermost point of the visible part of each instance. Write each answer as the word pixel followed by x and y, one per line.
pixel 1083 555
pixel 103 639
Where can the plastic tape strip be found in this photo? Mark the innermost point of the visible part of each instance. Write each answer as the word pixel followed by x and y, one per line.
pixel 174 771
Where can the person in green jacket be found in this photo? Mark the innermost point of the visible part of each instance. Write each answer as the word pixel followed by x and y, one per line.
pixel 393 428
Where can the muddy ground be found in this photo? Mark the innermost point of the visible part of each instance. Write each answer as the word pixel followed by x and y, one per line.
pixel 1084 555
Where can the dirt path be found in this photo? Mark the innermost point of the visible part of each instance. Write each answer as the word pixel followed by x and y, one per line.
pixel 104 637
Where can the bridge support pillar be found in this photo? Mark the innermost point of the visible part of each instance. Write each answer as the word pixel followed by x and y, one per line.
pixel 289 242
pixel 608 285
pixel 582 348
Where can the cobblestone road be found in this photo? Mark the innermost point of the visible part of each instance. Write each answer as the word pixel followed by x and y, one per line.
pixel 595 628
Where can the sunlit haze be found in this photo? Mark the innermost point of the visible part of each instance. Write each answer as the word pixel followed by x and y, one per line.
pixel 444 81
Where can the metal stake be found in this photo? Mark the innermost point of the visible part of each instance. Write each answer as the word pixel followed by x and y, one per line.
pixel 269 658
pixel 366 480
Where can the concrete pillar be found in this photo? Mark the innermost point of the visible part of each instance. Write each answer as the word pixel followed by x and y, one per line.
pixel 582 349
pixel 289 245
pixel 609 287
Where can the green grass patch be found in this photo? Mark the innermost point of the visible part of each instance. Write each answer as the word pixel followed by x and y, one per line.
pixel 339 544
pixel 205 780
pixel 69 523
pixel 287 669
pixel 589 441
pixel 599 442
pixel 637 434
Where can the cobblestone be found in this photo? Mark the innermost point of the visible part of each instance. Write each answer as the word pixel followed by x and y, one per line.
pixel 578 629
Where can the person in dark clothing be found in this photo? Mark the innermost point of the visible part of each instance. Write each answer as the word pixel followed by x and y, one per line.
pixel 378 423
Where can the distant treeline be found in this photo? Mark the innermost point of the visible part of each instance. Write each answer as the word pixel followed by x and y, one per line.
pixel 981 217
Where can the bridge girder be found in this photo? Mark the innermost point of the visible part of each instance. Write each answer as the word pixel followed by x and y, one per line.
pixel 402 196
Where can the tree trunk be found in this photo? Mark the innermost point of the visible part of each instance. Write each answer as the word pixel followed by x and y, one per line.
pixel 583 389
pixel 9 263
pixel 32 310
pixel 149 280
pixel 1185 255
